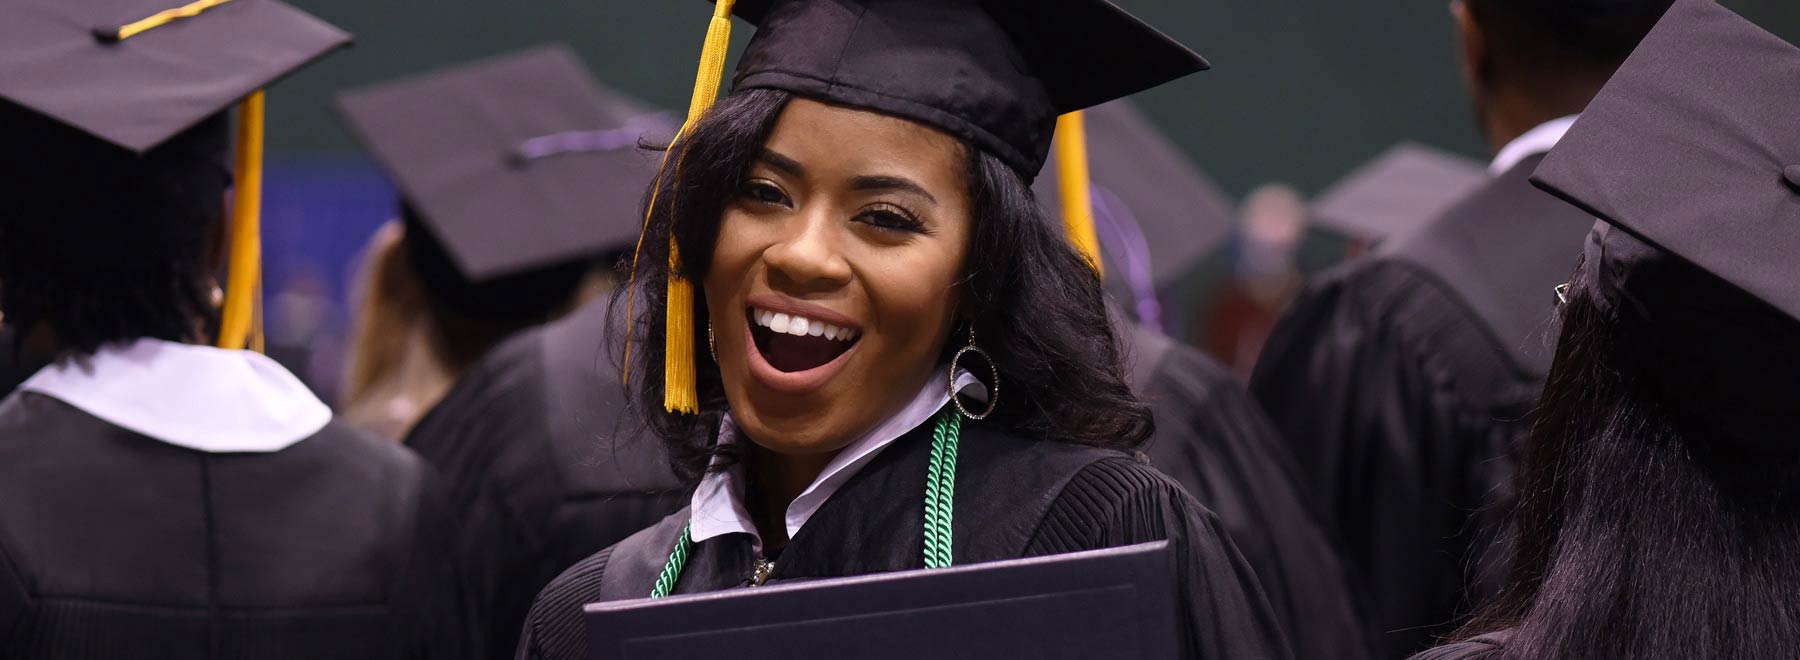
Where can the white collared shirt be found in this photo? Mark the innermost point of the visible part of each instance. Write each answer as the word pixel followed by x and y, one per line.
pixel 198 397
pixel 718 505
pixel 1538 140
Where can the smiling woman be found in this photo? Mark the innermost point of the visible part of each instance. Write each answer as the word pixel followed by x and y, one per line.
pixel 867 249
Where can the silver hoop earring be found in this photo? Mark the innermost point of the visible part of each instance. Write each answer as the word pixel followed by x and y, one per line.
pixel 993 390
pixel 712 348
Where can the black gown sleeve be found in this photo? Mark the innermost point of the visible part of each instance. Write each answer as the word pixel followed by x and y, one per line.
pixel 553 630
pixel 1119 501
pixel 1356 379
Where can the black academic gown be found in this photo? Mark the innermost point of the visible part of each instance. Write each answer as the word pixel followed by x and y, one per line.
pixel 117 546
pixel 1402 381
pixel 1213 440
pixel 1014 498
pixel 543 466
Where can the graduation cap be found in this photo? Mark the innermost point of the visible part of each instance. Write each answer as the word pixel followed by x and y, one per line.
pixel 1155 214
pixel 1690 158
pixel 513 163
pixel 994 73
pixel 1405 187
pixel 141 74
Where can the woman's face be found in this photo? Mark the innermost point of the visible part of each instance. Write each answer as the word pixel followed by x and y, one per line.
pixel 833 283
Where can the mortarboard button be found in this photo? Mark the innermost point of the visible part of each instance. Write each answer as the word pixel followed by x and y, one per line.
pixel 1792 174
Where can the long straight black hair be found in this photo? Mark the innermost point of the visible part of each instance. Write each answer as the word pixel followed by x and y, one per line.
pixel 1036 305
pixel 1641 533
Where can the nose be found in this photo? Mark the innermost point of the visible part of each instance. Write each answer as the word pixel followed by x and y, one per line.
pixel 809 256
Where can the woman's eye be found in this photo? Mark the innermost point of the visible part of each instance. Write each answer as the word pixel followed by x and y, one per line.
pixel 763 191
pixel 890 219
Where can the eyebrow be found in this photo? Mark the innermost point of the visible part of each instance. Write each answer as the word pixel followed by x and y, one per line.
pixel 888 183
pixel 869 183
pixel 787 165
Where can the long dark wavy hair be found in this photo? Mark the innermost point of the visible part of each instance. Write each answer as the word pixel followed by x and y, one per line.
pixel 1643 531
pixel 1035 304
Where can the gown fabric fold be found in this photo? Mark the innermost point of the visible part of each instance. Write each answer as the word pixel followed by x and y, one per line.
pixel 1213 440
pixel 1014 498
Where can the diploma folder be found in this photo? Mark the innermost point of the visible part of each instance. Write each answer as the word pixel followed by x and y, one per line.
pixel 1117 603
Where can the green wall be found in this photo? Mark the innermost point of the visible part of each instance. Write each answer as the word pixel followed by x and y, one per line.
pixel 1302 90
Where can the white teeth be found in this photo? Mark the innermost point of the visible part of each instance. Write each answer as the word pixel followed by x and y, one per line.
pixel 800 326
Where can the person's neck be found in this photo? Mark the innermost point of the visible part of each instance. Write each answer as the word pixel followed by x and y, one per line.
pixel 772 481
pixel 1507 114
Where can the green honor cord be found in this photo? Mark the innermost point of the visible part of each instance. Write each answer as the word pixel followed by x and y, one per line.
pixel 940 504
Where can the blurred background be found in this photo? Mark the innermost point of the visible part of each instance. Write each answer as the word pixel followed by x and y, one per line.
pixel 1302 91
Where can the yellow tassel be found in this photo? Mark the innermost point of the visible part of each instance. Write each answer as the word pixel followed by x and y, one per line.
pixel 1072 184
pixel 680 387
pixel 239 322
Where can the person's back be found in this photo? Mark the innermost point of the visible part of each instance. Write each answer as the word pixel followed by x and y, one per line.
pixel 1402 380
pixel 1659 513
pixel 1213 440
pixel 117 544
pixel 544 464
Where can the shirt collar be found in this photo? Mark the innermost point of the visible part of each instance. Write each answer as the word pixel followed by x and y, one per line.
pixel 198 397
pixel 718 506
pixel 1533 142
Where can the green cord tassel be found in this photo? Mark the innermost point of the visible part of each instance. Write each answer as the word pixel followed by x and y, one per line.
pixel 940 489
pixel 671 571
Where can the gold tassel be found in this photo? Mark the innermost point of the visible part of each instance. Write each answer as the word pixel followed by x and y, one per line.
pixel 1072 184
pixel 680 385
pixel 240 322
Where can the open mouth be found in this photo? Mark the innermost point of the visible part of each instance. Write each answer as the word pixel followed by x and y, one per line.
pixel 792 343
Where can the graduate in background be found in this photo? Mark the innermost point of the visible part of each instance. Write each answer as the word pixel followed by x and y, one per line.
pixel 526 160
pixel 1403 380
pixel 1156 216
pixel 1659 509
pixel 161 498
pixel 503 193
pixel 1265 275
pixel 841 251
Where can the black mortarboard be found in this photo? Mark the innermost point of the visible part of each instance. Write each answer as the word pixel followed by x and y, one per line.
pixel 513 163
pixel 64 60
pixel 1694 147
pixel 1405 187
pixel 1690 158
pixel 1155 213
pixel 996 73
pixel 1114 603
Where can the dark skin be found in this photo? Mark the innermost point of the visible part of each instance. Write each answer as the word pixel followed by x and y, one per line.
pixel 862 220
pixel 1511 98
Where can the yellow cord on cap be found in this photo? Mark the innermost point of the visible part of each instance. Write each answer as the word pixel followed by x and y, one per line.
pixel 159 19
pixel 1072 185
pixel 680 389
pixel 240 321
